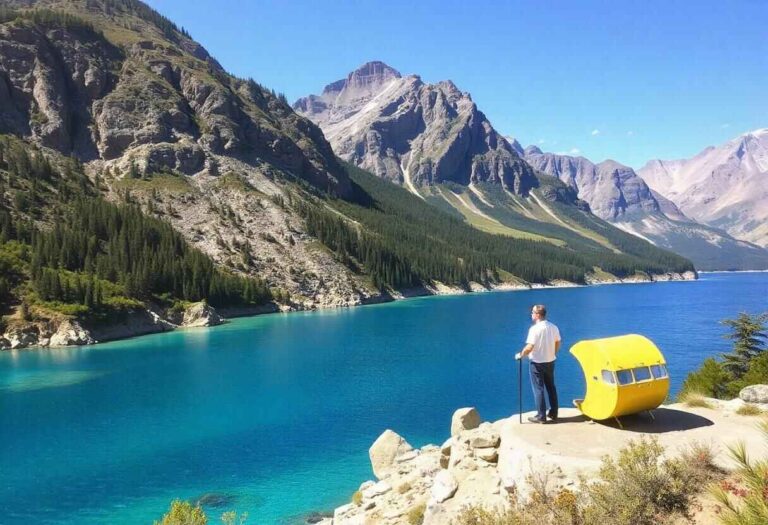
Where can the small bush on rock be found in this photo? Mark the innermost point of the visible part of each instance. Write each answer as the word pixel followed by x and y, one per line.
pixel 416 514
pixel 641 488
pixel 357 498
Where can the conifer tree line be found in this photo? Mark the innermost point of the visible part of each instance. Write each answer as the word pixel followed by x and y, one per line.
pixel 98 241
pixel 96 250
pixel 403 242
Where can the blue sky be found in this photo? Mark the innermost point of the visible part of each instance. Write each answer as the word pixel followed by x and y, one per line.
pixel 605 79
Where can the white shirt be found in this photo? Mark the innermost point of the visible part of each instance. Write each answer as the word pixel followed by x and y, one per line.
pixel 543 336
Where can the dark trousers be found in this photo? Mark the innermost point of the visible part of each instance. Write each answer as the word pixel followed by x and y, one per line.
pixel 543 377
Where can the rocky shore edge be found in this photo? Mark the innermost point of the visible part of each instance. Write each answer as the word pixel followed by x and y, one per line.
pixel 496 465
pixel 65 331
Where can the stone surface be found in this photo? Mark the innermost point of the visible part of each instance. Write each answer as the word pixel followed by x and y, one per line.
pixel 444 487
pixel 70 333
pixel 201 314
pixel 754 394
pixel 385 450
pixel 464 419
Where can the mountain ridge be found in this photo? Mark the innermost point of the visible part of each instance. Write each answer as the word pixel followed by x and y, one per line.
pixel 725 186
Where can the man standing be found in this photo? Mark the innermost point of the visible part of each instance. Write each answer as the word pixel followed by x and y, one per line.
pixel 541 347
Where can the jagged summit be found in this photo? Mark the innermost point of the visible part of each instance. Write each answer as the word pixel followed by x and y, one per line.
pixel 374 72
pixel 412 132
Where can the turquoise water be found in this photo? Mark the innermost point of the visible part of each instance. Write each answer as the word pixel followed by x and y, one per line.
pixel 277 412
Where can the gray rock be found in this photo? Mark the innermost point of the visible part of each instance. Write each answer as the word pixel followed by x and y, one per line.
pixel 407 131
pixel 754 394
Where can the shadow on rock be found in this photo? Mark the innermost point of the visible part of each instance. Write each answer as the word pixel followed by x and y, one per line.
pixel 664 420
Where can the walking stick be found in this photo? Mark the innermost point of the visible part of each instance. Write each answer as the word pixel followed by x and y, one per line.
pixel 520 388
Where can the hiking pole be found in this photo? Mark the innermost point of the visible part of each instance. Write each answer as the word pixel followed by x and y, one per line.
pixel 520 388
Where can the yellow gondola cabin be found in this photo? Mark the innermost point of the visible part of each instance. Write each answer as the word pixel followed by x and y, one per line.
pixel 625 375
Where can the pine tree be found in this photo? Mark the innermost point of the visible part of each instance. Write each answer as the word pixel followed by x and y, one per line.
pixel 748 333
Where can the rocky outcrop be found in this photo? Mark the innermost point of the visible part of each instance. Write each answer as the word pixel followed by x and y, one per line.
pixel 385 452
pixel 464 419
pixel 414 133
pixel 498 465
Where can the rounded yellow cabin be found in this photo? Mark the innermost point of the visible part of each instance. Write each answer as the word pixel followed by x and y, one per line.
pixel 625 375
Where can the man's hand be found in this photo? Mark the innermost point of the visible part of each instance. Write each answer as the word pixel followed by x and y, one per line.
pixel 518 356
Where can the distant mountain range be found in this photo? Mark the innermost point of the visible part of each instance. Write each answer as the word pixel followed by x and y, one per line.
pixel 724 186
pixel 433 139
pixel 617 194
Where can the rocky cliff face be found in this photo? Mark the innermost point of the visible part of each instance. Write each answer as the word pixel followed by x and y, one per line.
pixel 161 103
pixel 619 195
pixel 724 186
pixel 414 133
pixel 612 190
pixel 155 119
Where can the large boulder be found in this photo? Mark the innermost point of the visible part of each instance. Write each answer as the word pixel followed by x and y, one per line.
pixel 444 487
pixel 385 450
pixel 754 394
pixel 464 419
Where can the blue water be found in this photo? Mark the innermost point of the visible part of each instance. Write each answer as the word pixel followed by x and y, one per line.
pixel 278 411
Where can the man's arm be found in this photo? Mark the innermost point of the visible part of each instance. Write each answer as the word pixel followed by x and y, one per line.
pixel 524 352
pixel 557 346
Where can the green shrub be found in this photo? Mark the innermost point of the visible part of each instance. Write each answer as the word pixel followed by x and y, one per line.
pixel 710 380
pixel 357 498
pixel 183 513
pixel 416 514
pixel 641 488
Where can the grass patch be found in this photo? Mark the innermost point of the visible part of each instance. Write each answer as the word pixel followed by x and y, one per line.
pixel 694 400
pixel 750 410
pixel 357 497
pixel 416 514
pixel 405 487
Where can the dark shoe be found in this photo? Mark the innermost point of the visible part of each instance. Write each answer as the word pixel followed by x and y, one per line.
pixel 534 419
pixel 553 417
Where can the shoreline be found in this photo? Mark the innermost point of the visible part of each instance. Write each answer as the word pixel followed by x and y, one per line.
pixel 77 336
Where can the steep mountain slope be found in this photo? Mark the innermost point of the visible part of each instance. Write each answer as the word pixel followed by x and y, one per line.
pixel 617 194
pixel 147 138
pixel 413 133
pixel 724 186
pixel 432 139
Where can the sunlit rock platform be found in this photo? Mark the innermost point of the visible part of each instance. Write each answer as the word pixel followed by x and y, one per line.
pixel 491 464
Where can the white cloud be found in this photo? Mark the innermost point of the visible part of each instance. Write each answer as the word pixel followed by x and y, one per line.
pixel 725 126
pixel 574 151
pixel 630 133
pixel 595 132
pixel 542 141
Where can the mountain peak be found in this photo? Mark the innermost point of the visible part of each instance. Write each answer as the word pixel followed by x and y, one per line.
pixel 533 150
pixel 366 77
